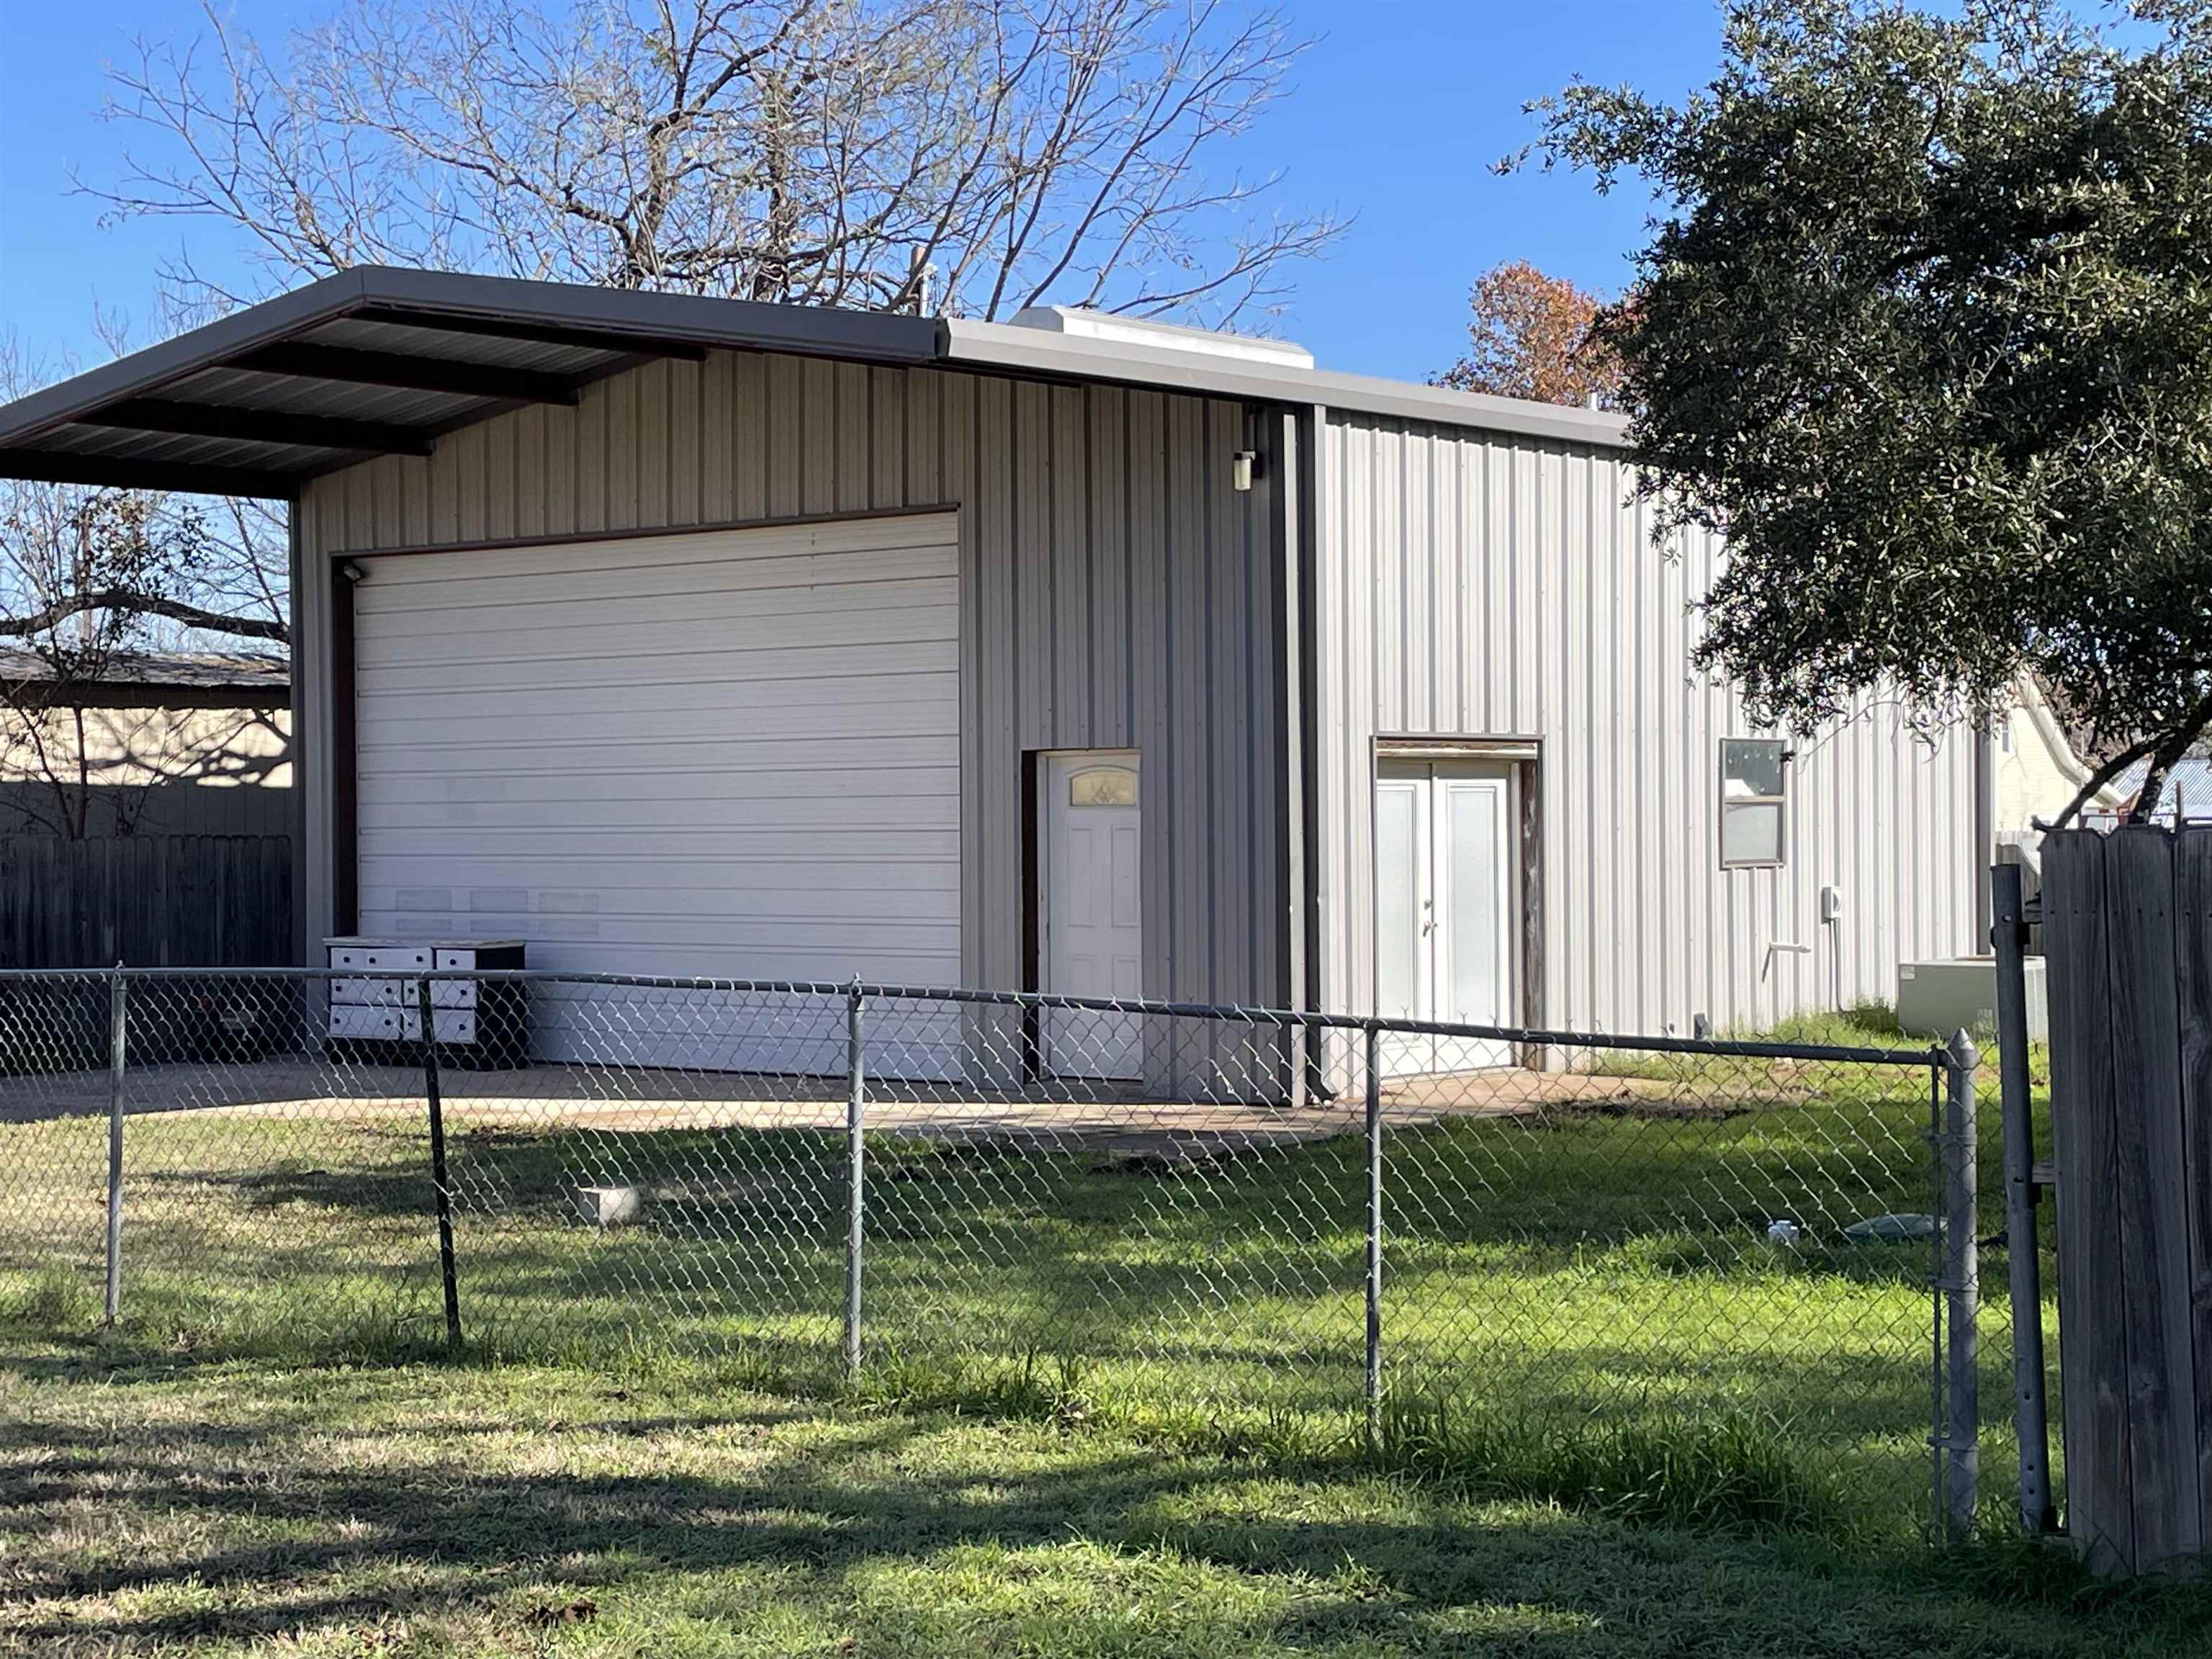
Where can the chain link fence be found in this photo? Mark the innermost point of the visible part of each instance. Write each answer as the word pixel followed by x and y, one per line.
pixel 1450 1247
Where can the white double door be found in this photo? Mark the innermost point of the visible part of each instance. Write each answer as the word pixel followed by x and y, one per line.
pixel 1443 909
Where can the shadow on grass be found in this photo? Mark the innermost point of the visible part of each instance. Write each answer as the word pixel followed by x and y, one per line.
pixel 1549 1187
pixel 825 1518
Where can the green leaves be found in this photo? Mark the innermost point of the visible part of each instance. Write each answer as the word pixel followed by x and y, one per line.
pixel 1927 327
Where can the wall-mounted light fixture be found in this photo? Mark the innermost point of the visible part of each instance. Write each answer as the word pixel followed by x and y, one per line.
pixel 1243 467
pixel 352 573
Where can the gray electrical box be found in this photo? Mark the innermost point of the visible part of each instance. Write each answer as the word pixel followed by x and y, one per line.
pixel 1934 999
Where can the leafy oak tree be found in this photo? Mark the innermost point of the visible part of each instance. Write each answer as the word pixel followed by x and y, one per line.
pixel 1925 328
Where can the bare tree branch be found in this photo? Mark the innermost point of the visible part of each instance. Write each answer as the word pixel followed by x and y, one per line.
pixel 141 604
pixel 828 152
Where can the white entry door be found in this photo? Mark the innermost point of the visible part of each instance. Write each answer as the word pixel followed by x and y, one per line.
pixel 1443 909
pixel 1093 921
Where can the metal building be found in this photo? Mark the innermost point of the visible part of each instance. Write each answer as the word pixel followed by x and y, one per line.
pixel 675 635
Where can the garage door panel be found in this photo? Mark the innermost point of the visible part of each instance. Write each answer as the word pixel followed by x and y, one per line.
pixel 792 942
pixel 617 627
pixel 790 698
pixel 683 817
pixel 437 604
pixel 646 850
pixel 626 604
pixel 613 760
pixel 892 622
pixel 754 965
pixel 560 882
pixel 566 717
pixel 551 562
pixel 861 900
pixel 734 755
pixel 790 1034
pixel 883 661
pixel 455 785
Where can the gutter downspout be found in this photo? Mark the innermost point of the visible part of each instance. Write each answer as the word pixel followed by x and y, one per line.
pixel 1272 431
pixel 1312 425
pixel 1985 830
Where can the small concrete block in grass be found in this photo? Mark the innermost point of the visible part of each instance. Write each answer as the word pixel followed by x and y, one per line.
pixel 610 1206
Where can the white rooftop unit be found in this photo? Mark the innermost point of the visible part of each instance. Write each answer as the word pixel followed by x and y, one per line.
pixel 1080 323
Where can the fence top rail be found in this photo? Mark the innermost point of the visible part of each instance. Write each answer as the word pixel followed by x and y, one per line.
pixel 1932 1054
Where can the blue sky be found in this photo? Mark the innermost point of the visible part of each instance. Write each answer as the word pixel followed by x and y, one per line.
pixel 1397 116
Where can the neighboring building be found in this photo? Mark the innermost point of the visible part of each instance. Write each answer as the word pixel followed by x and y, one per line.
pixel 169 742
pixel 147 817
pixel 2187 797
pixel 2038 773
pixel 679 635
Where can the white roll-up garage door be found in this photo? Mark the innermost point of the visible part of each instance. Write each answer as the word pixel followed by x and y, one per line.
pixel 735 754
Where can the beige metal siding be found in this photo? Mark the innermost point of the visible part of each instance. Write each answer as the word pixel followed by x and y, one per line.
pixel 1480 585
pixel 1115 593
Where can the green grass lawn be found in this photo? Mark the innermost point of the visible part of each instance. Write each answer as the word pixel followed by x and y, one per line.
pixel 177 1506
pixel 1105 1408
pixel 1581 1303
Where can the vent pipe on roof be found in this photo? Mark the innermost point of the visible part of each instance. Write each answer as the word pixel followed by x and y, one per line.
pixel 1078 322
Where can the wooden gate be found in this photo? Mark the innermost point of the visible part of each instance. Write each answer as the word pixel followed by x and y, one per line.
pixel 2128 941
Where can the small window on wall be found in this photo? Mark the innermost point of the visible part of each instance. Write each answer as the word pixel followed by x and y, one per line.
pixel 1754 801
pixel 1102 785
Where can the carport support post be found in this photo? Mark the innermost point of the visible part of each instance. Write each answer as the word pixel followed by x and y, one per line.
pixel 117 993
pixel 445 1197
pixel 1962 1284
pixel 1374 1047
pixel 856 1175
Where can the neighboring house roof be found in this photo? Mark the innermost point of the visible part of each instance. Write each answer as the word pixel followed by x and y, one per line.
pixel 246 677
pixel 383 362
pixel 2188 787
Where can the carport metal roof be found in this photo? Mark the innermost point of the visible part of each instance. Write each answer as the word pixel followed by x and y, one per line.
pixel 382 361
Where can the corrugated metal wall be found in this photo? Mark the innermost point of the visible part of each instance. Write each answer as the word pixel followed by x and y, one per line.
pixel 1115 593
pixel 1473 584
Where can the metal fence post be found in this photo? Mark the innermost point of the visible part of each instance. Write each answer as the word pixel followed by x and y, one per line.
pixel 117 997
pixel 855 1176
pixel 1962 1286
pixel 444 1194
pixel 1374 1237
pixel 2008 934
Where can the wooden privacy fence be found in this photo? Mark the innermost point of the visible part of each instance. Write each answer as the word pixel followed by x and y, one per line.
pixel 153 900
pixel 2128 941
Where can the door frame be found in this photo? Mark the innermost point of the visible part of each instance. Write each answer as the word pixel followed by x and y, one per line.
pixel 334 770
pixel 1035 780
pixel 1524 756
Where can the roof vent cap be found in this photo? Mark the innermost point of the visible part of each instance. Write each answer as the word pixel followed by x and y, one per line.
pixel 1077 322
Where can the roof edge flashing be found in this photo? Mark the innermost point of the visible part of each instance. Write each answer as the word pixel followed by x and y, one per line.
pixel 647 315
pixel 1028 351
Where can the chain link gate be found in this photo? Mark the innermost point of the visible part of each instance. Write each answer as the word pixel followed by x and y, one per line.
pixel 1296 1228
